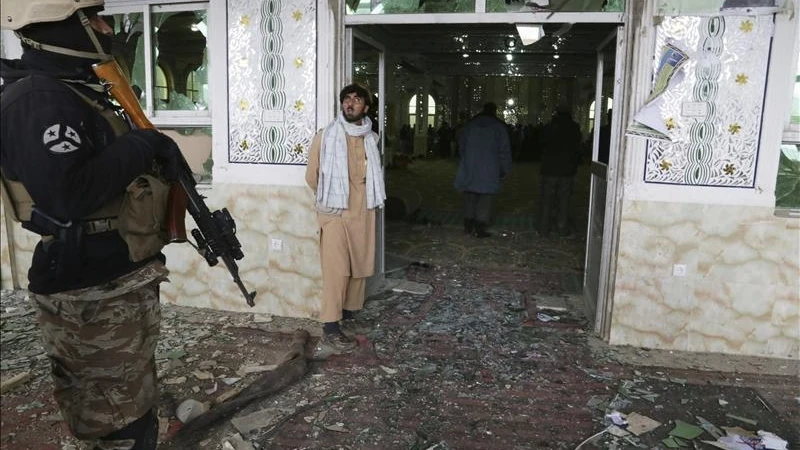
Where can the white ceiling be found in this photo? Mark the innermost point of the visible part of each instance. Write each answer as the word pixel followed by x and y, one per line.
pixel 439 49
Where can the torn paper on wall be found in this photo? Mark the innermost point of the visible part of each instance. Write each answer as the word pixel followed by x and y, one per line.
pixel 647 122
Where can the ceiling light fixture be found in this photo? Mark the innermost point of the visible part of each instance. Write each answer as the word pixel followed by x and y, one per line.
pixel 529 33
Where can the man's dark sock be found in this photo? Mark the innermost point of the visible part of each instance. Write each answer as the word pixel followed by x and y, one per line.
pixel 348 314
pixel 331 327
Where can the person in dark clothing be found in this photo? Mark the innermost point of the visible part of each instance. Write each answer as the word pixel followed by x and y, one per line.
pixel 67 161
pixel 485 150
pixel 406 139
pixel 445 135
pixel 561 146
pixel 604 146
pixel 373 116
pixel 431 140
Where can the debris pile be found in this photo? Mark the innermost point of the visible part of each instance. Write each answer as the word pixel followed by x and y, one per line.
pixel 636 430
pixel 455 360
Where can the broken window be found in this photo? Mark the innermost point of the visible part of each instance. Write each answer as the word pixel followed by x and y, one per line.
pixel 163 50
pixel 787 186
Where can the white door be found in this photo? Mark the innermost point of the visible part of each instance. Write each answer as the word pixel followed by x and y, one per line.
pixel 610 58
pixel 365 65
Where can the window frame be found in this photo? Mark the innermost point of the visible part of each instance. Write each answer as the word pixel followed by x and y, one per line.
pixel 414 106
pixel 166 118
pixel 217 60
pixel 609 104
pixel 790 131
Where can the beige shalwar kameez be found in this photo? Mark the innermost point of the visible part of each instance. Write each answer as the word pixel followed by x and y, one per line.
pixel 347 241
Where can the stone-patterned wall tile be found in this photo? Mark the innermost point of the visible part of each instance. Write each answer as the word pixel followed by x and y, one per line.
pixel 24 244
pixel 300 284
pixel 6 279
pixel 786 318
pixel 742 266
pixel 744 245
pixel 730 315
pixel 287 281
pixel 651 312
pixel 786 309
pixel 656 236
pixel 188 277
pixel 789 269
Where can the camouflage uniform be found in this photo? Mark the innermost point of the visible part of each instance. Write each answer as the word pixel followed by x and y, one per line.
pixel 101 343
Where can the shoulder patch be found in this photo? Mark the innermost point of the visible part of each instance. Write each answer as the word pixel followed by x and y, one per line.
pixel 61 138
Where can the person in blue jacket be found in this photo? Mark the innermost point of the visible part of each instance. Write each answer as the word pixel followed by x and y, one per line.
pixel 485 150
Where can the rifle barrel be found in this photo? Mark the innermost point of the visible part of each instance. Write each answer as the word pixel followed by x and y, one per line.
pixel 208 227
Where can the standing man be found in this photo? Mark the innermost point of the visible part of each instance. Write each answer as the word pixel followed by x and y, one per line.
pixel 485 151
pixel 344 169
pixel 67 158
pixel 561 153
pixel 604 146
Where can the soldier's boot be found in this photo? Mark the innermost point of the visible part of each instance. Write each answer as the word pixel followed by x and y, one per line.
pixel 141 434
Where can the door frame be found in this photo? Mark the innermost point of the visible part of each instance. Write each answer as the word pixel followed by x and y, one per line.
pixel 592 292
pixel 350 35
pixel 604 302
pixel 338 27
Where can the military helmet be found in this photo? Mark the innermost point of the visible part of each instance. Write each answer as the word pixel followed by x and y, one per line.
pixel 31 22
pixel 18 13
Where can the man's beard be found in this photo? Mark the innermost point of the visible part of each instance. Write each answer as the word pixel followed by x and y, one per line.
pixel 351 119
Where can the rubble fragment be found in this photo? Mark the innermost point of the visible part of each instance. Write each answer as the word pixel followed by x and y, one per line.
pixel 15 381
pixel 685 431
pixel 639 424
pixel 190 409
pixel 746 420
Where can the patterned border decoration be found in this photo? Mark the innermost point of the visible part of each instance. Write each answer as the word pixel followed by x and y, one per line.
pixel 714 115
pixel 272 120
pixel 273 83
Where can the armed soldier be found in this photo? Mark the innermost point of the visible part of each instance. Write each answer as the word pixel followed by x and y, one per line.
pixel 69 162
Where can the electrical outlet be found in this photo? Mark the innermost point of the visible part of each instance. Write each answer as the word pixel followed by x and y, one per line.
pixel 679 270
pixel 277 245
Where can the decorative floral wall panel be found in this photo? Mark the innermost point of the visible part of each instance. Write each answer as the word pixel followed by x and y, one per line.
pixel 271 80
pixel 713 116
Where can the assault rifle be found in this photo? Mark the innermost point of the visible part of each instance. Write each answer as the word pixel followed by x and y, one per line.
pixel 215 235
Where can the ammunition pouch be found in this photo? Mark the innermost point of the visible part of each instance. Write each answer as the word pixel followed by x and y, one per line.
pixel 142 220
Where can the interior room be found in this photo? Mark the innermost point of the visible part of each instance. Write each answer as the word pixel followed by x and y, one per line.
pixel 437 77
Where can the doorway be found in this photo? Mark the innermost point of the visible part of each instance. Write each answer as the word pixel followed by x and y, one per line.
pixel 435 78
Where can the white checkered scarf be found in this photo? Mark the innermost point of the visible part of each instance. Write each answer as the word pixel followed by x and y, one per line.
pixel 333 189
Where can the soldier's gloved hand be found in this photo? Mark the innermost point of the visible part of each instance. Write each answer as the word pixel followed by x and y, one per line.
pixel 166 152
